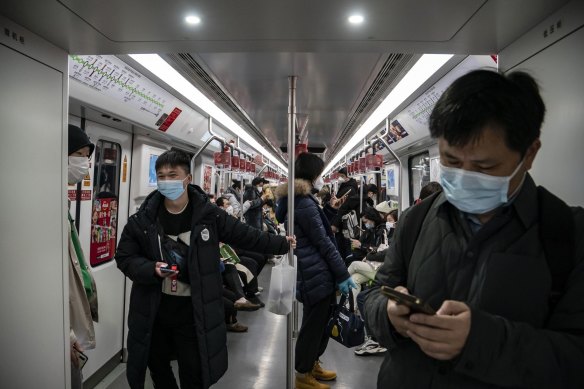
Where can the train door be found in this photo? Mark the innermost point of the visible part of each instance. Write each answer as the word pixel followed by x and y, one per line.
pixel 102 216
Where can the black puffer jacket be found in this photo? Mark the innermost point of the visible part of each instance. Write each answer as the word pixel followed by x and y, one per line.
pixel 501 273
pixel 253 216
pixel 137 253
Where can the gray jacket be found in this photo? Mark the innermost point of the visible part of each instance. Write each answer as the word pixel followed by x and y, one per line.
pixel 501 273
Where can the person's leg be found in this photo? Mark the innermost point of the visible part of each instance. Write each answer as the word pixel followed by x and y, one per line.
pixel 258 258
pixel 187 349
pixel 161 348
pixel 232 280
pixel 311 343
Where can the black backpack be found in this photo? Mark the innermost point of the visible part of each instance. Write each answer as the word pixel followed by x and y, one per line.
pixel 556 234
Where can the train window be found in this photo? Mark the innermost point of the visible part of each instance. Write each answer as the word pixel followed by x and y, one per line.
pixel 419 174
pixel 104 212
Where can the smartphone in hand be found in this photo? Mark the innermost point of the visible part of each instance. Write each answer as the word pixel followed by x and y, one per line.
pixel 167 270
pixel 416 304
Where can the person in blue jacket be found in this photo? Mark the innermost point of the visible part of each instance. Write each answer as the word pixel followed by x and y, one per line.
pixel 320 270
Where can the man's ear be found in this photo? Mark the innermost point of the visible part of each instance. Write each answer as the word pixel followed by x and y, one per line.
pixel 531 153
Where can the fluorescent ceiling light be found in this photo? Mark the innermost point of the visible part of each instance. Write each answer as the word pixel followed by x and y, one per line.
pixel 160 68
pixel 426 66
pixel 356 19
pixel 193 19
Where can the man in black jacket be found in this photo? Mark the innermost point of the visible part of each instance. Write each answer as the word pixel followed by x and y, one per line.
pixel 180 312
pixel 479 258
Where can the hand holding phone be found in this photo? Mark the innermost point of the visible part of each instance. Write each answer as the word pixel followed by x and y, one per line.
pixel 168 270
pixel 415 304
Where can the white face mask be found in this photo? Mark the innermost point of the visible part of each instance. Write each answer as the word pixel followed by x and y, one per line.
pixel 229 210
pixel 342 179
pixel 318 183
pixel 78 168
pixel 390 225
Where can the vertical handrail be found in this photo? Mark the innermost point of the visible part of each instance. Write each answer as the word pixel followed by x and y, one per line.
pixel 400 190
pixel 292 316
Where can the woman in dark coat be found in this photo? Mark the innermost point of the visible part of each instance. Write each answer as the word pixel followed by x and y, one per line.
pixel 320 270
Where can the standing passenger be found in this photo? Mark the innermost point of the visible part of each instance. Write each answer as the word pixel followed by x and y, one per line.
pixel 180 314
pixel 254 194
pixel 82 291
pixel 320 270
pixel 501 260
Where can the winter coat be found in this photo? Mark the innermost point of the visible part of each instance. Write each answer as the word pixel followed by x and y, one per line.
pixel 137 254
pixel 253 215
pixel 501 273
pixel 346 186
pixel 82 311
pixel 234 199
pixel 370 240
pixel 320 266
pixel 353 203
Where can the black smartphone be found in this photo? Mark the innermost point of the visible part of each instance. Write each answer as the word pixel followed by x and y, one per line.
pixel 167 270
pixel 82 359
pixel 415 304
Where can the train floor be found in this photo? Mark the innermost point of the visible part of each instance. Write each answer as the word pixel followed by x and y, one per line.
pixel 257 358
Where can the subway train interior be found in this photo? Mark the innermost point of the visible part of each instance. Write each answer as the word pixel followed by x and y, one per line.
pixel 237 85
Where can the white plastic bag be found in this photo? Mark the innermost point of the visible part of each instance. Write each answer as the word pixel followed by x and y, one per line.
pixel 282 288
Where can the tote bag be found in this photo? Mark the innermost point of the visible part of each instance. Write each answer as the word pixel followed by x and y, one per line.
pixel 282 288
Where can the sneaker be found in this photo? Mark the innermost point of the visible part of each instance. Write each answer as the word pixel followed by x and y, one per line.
pixel 364 345
pixel 370 347
pixel 307 381
pixel 321 374
pixel 236 327
pixel 246 306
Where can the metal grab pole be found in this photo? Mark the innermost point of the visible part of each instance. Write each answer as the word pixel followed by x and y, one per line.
pixel 291 327
pixel 205 145
pixel 400 191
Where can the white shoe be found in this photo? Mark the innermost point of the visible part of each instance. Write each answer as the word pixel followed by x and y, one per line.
pixel 370 347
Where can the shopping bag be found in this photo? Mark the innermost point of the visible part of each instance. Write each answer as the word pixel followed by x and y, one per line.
pixel 282 289
pixel 345 326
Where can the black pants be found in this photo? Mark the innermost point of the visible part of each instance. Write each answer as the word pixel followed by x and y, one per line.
pixel 232 280
pixel 230 312
pixel 174 335
pixel 343 245
pixel 258 258
pixel 313 337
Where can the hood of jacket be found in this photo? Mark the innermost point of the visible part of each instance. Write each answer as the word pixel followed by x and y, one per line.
pixel 301 188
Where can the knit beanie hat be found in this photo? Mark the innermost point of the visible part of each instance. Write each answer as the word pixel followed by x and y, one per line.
pixel 78 139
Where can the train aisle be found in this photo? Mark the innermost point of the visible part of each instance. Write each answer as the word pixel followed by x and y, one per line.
pixel 257 358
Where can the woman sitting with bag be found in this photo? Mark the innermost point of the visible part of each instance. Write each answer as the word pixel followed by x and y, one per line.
pixel 320 270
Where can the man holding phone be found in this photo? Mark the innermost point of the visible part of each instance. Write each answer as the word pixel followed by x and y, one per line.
pixel 509 308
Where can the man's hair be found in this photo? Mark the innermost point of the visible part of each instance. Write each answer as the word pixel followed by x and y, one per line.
pixel 308 166
pixel 372 188
pixel 220 201
pixel 372 214
pixel 343 170
pixel 393 214
pixel 257 181
pixel 236 184
pixel 430 188
pixel 174 158
pixel 481 98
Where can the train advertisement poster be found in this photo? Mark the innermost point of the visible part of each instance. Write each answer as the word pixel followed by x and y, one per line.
pixel 103 230
pixel 207 177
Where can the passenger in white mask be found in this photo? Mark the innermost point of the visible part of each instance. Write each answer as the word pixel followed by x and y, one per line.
pixel 222 202
pixel 82 290
pixel 499 260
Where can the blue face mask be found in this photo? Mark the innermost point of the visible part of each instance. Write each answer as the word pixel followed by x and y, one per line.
pixel 474 192
pixel 369 225
pixel 171 189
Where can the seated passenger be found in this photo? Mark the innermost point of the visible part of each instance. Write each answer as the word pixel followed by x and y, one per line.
pixel 499 259
pixel 371 237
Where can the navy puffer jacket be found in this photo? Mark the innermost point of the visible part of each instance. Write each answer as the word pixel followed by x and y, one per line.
pixel 320 266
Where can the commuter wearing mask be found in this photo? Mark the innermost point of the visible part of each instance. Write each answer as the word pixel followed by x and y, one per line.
pixel 499 259
pixel 254 194
pixel 82 290
pixel 320 270
pixel 180 313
